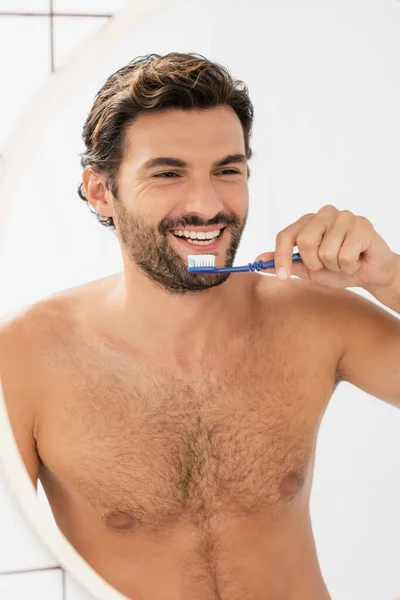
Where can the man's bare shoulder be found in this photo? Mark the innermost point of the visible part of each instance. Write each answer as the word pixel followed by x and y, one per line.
pixel 30 323
pixel 313 312
pixel 337 315
pixel 294 295
pixel 49 320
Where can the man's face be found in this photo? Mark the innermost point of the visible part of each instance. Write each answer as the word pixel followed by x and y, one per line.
pixel 160 205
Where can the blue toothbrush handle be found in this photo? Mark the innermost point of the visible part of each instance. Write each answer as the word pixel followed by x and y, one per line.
pixel 260 264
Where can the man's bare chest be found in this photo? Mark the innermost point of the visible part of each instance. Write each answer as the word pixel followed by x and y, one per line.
pixel 146 448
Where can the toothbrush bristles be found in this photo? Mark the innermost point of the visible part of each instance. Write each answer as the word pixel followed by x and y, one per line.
pixel 201 260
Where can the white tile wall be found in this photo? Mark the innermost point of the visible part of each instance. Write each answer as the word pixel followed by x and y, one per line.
pixel 37 585
pixel 70 32
pixel 24 5
pixel 34 31
pixel 90 6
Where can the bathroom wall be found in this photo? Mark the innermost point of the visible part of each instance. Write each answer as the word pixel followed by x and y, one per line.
pixel 325 81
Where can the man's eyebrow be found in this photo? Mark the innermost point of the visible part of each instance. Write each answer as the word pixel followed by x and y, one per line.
pixel 169 161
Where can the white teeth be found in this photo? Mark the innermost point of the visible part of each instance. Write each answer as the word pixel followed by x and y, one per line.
pixel 197 235
pixel 201 242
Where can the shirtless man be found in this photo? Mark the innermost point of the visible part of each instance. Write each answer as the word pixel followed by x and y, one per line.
pixel 172 417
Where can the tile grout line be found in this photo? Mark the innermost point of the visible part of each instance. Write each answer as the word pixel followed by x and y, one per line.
pixel 29 571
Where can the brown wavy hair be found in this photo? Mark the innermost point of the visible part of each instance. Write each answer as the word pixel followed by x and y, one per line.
pixel 149 84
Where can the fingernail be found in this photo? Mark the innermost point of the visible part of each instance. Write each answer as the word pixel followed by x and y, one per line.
pixel 282 273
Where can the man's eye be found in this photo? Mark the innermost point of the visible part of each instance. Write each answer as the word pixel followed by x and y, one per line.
pixel 165 173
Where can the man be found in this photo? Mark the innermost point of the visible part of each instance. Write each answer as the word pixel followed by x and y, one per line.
pixel 172 417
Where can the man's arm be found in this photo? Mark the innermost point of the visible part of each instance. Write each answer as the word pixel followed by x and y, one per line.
pixel 17 365
pixel 371 354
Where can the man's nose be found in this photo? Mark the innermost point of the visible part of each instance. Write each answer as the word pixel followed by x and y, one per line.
pixel 203 200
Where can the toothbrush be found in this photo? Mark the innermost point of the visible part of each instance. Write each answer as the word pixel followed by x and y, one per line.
pixel 204 263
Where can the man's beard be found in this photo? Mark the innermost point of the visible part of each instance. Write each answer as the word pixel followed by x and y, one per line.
pixel 151 249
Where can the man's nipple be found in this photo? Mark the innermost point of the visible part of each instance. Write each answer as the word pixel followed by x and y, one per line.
pixel 120 520
pixel 290 484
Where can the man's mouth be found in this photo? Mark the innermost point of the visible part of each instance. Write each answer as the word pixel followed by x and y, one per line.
pixel 200 239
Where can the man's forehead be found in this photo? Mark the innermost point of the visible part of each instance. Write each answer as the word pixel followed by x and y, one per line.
pixel 152 141
pixel 180 126
pixel 184 139
pixel 172 115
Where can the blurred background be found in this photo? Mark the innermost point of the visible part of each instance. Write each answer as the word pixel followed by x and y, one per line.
pixel 324 78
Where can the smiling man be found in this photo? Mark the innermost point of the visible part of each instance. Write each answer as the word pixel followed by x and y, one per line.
pixel 168 214
pixel 172 417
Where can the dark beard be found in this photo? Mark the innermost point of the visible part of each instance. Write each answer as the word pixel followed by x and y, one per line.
pixel 152 251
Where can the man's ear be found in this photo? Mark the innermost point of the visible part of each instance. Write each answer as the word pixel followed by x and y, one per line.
pixel 99 197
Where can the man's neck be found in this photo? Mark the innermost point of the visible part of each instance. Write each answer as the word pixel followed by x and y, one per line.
pixel 150 317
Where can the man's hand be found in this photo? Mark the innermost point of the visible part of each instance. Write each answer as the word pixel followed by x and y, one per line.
pixel 338 250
